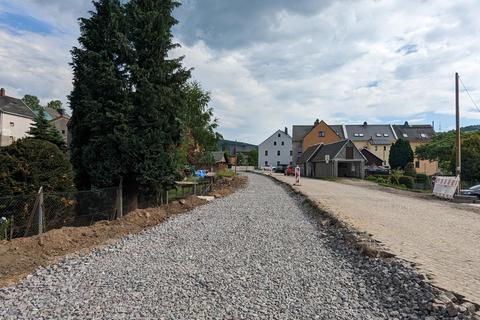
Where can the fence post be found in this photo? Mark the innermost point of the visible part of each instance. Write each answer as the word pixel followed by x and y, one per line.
pixel 40 211
pixel 120 199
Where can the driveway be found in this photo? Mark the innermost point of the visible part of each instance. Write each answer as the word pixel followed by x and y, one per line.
pixel 440 237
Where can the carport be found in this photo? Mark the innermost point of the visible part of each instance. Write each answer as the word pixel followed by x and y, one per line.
pixel 339 159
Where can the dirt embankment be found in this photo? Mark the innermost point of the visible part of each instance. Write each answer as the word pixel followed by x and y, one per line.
pixel 20 257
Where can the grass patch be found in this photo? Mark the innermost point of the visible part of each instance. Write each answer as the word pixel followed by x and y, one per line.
pixel 226 174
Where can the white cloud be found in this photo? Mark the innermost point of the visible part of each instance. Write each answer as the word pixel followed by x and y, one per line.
pixel 273 64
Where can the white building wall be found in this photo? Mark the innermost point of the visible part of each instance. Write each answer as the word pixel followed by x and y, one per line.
pixel 272 146
pixel 13 127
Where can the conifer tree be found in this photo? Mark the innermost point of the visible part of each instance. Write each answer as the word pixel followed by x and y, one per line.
pixel 44 130
pixel 100 98
pixel 401 154
pixel 158 97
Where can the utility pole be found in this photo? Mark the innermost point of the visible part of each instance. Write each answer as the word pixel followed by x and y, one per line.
pixel 458 157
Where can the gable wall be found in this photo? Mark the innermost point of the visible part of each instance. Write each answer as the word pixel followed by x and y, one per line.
pixel 313 137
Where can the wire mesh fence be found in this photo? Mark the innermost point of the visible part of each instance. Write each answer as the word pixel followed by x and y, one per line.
pixel 27 215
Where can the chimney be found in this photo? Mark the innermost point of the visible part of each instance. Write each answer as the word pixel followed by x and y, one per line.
pixel 365 124
pixel 406 124
pixel 2 92
pixel 316 122
pixel 286 130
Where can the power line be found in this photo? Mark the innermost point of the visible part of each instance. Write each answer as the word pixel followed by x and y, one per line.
pixel 464 87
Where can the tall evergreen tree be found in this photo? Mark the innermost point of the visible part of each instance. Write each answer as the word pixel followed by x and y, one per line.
pixel 44 130
pixel 158 96
pixel 401 153
pixel 100 98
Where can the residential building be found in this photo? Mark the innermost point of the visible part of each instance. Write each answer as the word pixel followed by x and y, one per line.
pixel 418 135
pixel 59 119
pixel 276 150
pixel 376 138
pixel 16 118
pixel 321 133
pixel 220 161
pixel 337 159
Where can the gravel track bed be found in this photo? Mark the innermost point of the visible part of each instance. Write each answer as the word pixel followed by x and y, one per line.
pixel 254 254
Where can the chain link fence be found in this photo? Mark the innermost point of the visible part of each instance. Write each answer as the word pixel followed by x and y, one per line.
pixel 27 215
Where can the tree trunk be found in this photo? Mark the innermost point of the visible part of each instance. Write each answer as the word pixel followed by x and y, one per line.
pixel 131 195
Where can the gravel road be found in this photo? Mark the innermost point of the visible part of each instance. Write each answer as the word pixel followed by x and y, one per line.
pixel 254 254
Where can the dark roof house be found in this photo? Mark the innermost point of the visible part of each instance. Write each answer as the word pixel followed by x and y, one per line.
pixel 15 106
pixel 414 133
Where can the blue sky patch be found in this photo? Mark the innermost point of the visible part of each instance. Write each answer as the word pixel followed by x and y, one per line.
pixel 408 49
pixel 17 23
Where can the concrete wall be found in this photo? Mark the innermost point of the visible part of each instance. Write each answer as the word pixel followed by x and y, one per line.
pixel 272 145
pixel 9 132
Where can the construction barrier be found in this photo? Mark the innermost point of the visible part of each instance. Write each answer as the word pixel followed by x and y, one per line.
pixel 445 187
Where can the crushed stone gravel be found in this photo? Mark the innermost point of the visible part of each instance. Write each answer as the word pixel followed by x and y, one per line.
pixel 256 254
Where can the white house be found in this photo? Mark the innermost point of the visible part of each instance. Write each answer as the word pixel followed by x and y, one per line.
pixel 275 150
pixel 15 119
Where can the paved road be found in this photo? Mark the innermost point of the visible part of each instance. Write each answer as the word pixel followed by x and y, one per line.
pixel 441 238
pixel 255 254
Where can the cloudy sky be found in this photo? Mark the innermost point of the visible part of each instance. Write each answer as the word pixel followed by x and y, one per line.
pixel 274 63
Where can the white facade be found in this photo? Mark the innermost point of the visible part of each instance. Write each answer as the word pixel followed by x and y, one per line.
pixel 276 150
pixel 13 127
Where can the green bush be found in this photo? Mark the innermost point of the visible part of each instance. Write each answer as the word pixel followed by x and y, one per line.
pixel 226 173
pixel 407 181
pixel 421 178
pixel 371 178
pixel 410 170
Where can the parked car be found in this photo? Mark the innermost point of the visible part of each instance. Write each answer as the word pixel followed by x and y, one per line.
pixel 279 169
pixel 472 191
pixel 290 171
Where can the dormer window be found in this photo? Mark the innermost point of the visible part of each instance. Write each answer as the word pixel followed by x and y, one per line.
pixel 360 134
pixel 423 135
pixel 405 135
pixel 356 135
pixel 385 134
pixel 321 133
pixel 378 135
pixel 279 135
pixel 12 124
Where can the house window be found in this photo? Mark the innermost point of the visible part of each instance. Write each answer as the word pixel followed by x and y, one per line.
pixel 278 152
pixel 378 134
pixel 423 135
pixel 291 162
pixel 12 124
pixel 274 143
pixel 385 134
pixel 266 163
pixel 356 135
pixel 321 133
pixel 349 153
pixel 291 152
pixel 405 135
pixel 384 148
pixel 278 163
pixel 266 152
pixel 279 135
pixel 63 131
pixel 360 134
pixel 376 148
pixel 417 164
pixel 283 143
